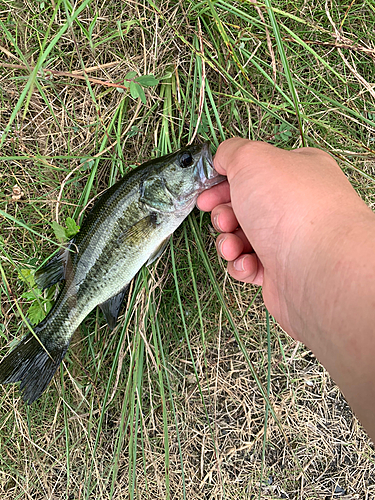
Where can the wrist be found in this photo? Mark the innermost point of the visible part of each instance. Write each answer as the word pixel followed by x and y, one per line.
pixel 338 307
pixel 331 274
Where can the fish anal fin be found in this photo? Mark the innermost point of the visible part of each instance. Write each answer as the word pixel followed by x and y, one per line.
pixel 160 249
pixel 111 307
pixel 53 271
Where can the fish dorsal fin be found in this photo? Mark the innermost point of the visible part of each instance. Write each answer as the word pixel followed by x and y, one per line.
pixel 53 271
pixel 111 307
pixel 158 251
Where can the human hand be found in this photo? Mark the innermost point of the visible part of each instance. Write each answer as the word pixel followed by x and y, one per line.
pixel 278 214
pixel 291 222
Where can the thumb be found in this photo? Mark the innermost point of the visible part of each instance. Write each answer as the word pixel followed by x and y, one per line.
pixel 225 153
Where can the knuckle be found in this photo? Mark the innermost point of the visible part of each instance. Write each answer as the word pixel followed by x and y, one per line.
pixel 252 151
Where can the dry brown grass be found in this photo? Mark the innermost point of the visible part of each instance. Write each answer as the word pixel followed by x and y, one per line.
pixel 318 450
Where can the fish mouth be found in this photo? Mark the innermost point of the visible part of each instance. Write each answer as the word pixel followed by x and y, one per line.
pixel 208 175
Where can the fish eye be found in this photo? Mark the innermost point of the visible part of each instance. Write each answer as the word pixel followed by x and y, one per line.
pixel 186 160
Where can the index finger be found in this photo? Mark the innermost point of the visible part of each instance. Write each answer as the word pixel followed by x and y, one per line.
pixel 226 152
pixel 217 195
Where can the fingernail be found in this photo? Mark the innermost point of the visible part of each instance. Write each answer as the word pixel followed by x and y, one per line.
pixel 220 245
pixel 238 264
pixel 216 222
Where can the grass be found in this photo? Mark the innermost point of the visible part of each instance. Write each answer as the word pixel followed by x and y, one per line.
pixel 197 393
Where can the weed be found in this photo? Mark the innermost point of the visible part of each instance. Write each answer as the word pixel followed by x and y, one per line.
pixel 197 393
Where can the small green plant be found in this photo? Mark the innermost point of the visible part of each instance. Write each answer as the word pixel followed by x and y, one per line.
pixel 65 233
pixel 283 132
pixel 42 301
pixel 135 84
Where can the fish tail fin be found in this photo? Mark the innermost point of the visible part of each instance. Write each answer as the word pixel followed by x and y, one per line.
pixel 32 364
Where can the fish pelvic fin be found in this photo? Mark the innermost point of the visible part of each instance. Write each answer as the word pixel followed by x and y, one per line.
pixel 160 249
pixel 111 307
pixel 32 364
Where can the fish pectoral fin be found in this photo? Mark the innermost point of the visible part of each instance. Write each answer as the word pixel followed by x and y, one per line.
pixel 158 251
pixel 111 307
pixel 155 194
pixel 136 234
pixel 53 271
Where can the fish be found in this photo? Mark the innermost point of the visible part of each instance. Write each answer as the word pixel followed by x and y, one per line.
pixel 128 227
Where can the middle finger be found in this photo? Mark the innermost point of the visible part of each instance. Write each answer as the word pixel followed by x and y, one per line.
pixel 224 219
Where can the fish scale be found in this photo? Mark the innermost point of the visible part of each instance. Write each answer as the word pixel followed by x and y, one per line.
pixel 129 226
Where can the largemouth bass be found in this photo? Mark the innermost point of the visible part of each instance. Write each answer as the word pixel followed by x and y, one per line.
pixel 128 227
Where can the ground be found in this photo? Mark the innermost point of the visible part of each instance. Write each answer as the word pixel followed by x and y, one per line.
pixel 197 393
